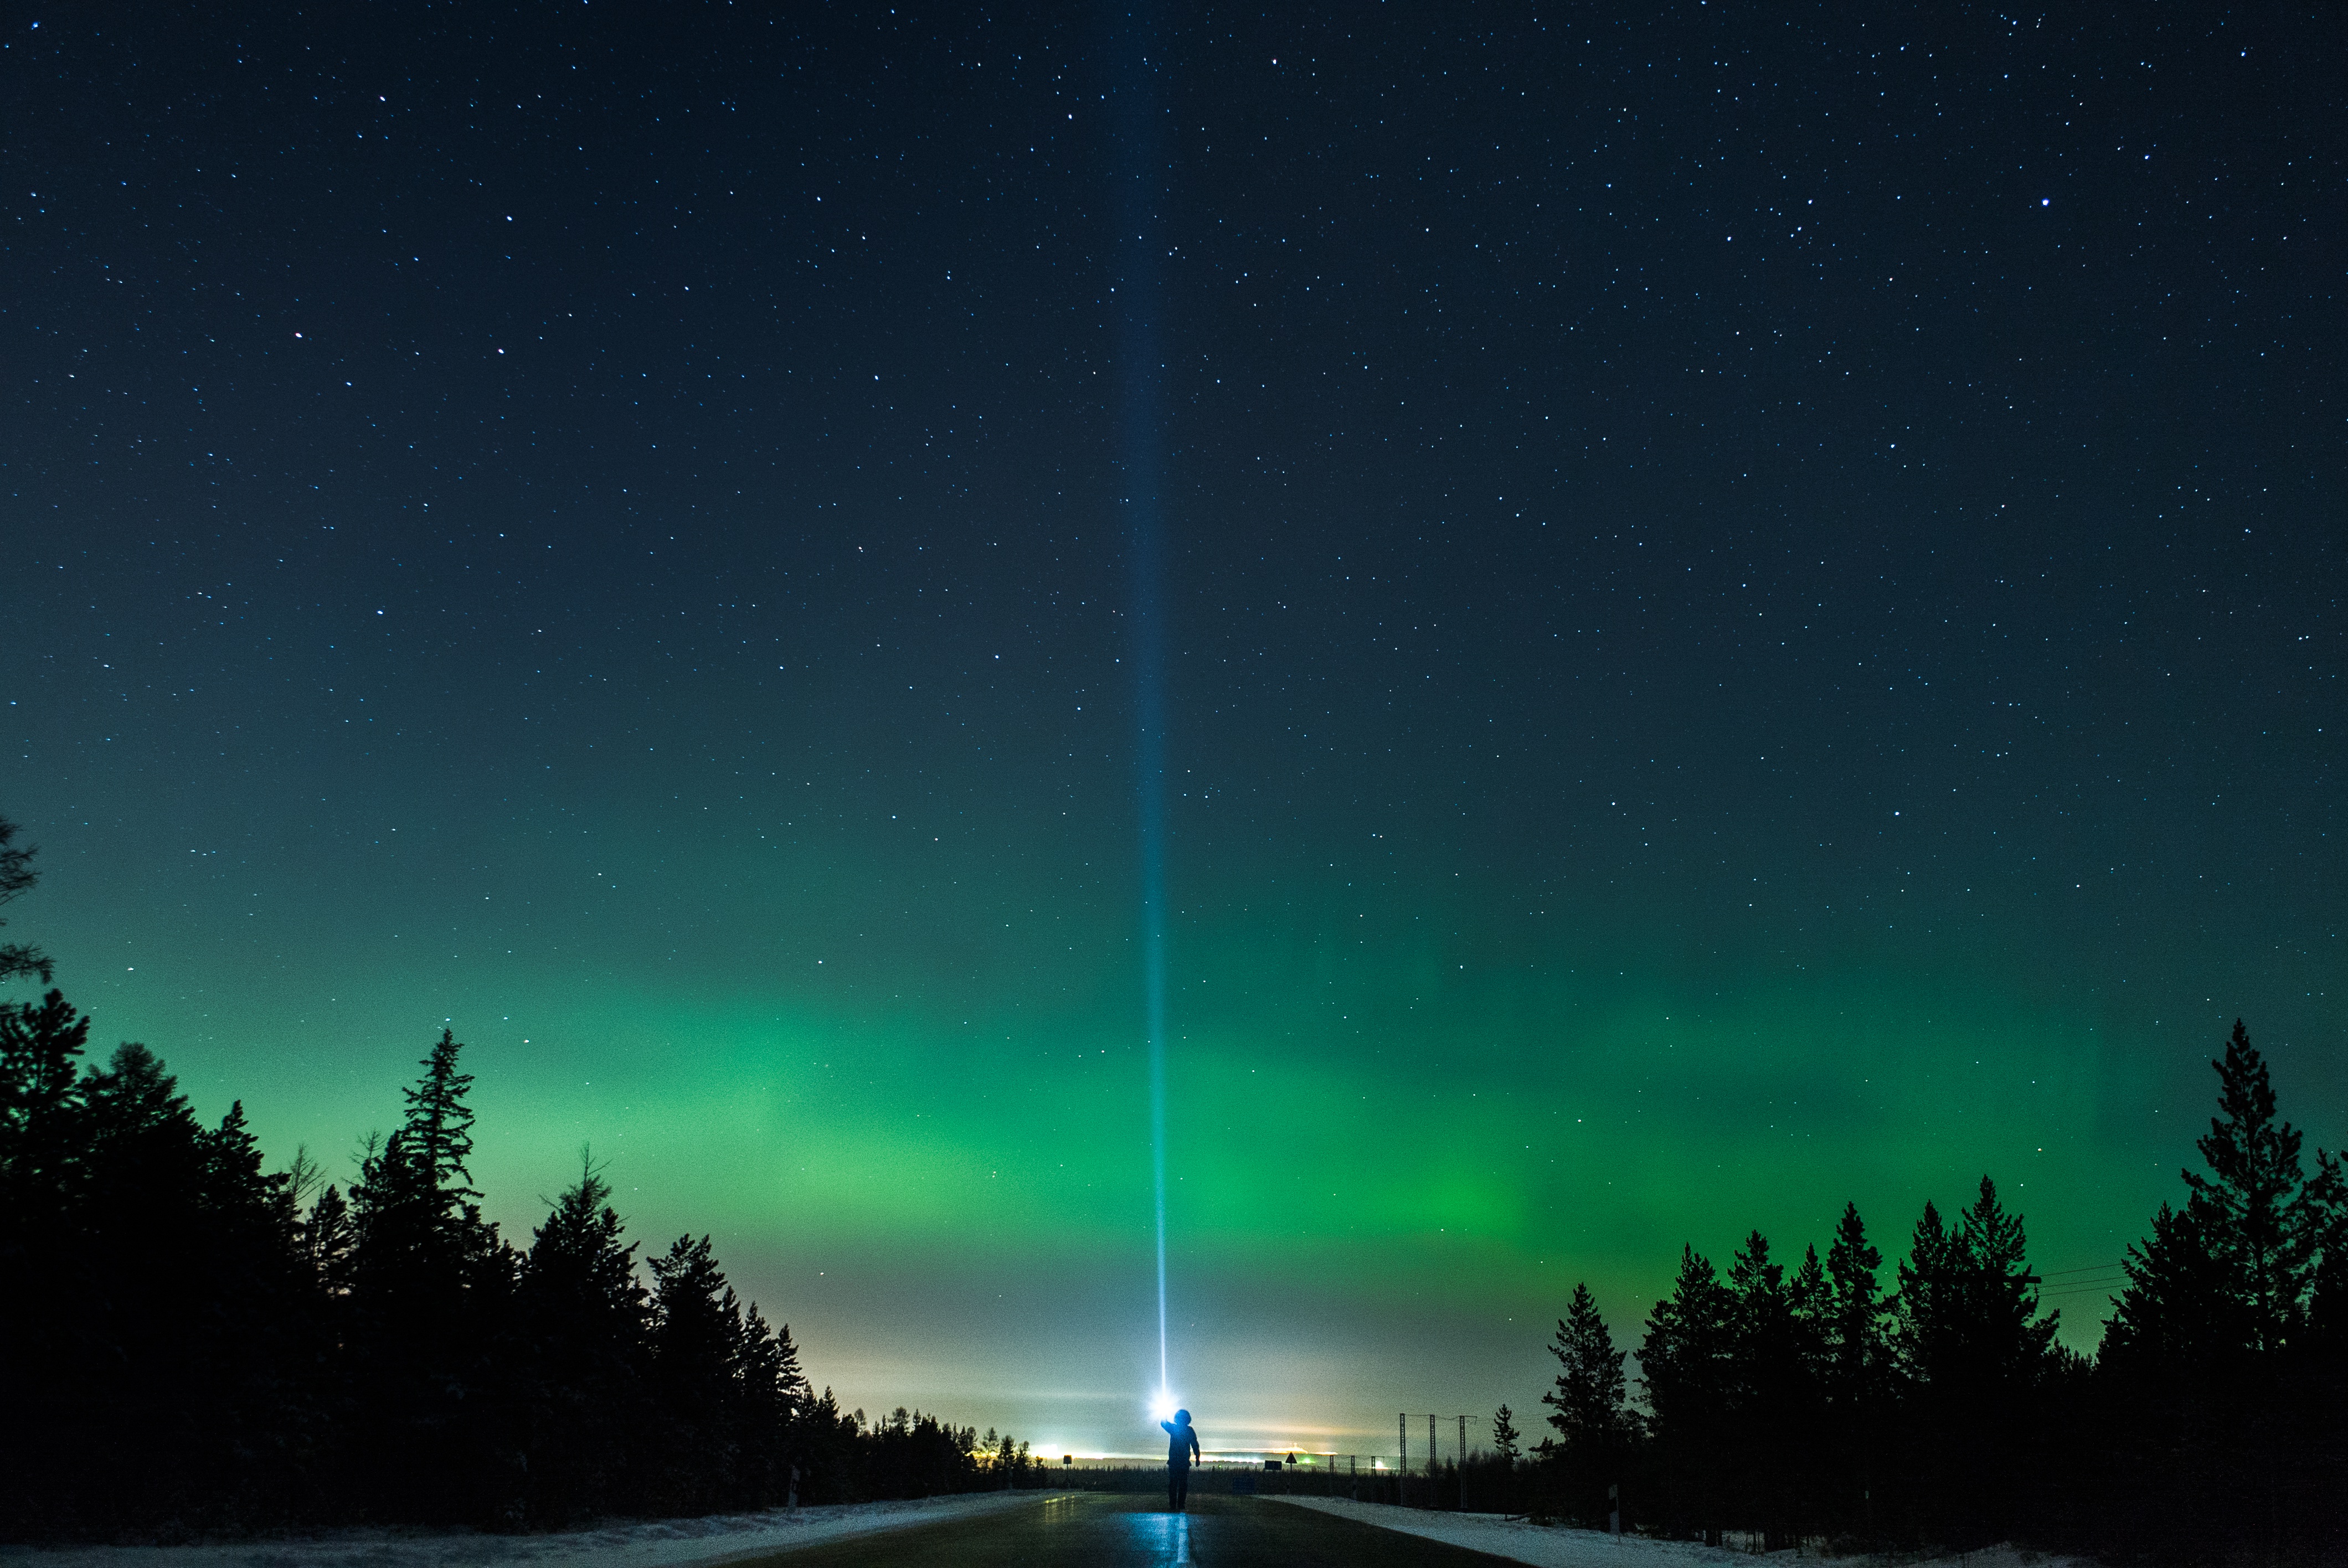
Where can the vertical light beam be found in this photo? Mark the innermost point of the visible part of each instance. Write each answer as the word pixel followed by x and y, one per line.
pixel 1140 166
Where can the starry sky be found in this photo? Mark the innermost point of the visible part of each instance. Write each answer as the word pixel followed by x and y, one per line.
pixel 1732 611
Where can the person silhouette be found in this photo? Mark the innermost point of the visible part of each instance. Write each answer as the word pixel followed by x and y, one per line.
pixel 1181 1448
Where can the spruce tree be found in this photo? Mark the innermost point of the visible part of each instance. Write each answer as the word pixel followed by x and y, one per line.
pixel 583 1320
pixel 41 1122
pixel 1687 1369
pixel 325 1239
pixel 1976 1360
pixel 188 1317
pixel 1768 1414
pixel 772 1392
pixel 439 1124
pixel 2245 1207
pixel 2178 1305
pixel 44 1323
pixel 1507 1441
pixel 2221 1364
pixel 2011 1339
pixel 434 1432
pixel 1853 1312
pixel 16 878
pixel 1586 1406
pixel 1853 1369
pixel 696 1340
pixel 1924 1309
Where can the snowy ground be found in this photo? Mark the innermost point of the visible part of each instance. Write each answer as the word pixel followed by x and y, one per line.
pixel 668 1543
pixel 1554 1546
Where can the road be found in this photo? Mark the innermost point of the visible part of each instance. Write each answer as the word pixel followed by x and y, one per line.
pixel 1124 1530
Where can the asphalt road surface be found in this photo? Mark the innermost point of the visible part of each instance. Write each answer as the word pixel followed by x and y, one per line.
pixel 1123 1531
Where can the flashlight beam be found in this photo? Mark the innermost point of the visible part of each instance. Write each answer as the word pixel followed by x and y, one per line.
pixel 1141 186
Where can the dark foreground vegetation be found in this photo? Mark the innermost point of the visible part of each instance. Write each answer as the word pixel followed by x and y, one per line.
pixel 1935 1408
pixel 195 1344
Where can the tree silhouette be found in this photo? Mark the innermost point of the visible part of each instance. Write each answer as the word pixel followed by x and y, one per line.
pixel 1854 1344
pixel 430 1286
pixel 1687 1369
pixel 1507 1441
pixel 16 878
pixel 198 1342
pixel 1974 1355
pixel 583 1323
pixel 1853 1372
pixel 2221 1361
pixel 1772 1400
pixel 772 1392
pixel 1586 1406
pixel 439 1125
pixel 2245 1207
pixel 696 1335
pixel 40 1132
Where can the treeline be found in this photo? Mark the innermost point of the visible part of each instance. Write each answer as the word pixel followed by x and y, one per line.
pixel 195 1343
pixel 198 1344
pixel 1936 1407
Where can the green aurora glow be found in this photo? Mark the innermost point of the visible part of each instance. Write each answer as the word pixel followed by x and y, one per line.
pixel 1399 1136
pixel 1682 709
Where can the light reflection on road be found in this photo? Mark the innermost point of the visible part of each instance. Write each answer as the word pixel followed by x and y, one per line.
pixel 1161 1538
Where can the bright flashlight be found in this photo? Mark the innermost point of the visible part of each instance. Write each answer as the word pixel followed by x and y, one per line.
pixel 1162 1407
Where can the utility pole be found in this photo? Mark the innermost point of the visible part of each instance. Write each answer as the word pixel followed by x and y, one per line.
pixel 1462 1464
pixel 1402 1458
pixel 1433 1472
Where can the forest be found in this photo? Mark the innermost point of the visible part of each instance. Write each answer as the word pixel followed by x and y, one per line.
pixel 201 1345
pixel 1820 1400
pixel 198 1345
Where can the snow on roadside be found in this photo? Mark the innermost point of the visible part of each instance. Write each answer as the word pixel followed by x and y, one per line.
pixel 658 1544
pixel 1556 1546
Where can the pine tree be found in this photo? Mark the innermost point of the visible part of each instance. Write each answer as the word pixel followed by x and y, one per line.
pixel 2003 1302
pixel 434 1432
pixel 418 1222
pixel 1852 1372
pixel 41 1128
pixel 44 1318
pixel 773 1391
pixel 1924 1307
pixel 2245 1207
pixel 188 1282
pixel 1507 1441
pixel 1975 1361
pixel 439 1125
pixel 1854 1337
pixel 1586 1406
pixel 2319 1215
pixel 1687 1367
pixel 1809 1299
pixel 2177 1306
pixel 1769 1400
pixel 2318 1365
pixel 16 878
pixel 325 1240
pixel 583 1320
pixel 697 1332
pixel 2221 1364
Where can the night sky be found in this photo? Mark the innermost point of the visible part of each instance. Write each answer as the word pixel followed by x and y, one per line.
pixel 1740 609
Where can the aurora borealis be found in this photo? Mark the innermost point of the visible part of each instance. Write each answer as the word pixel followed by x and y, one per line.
pixel 1750 618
